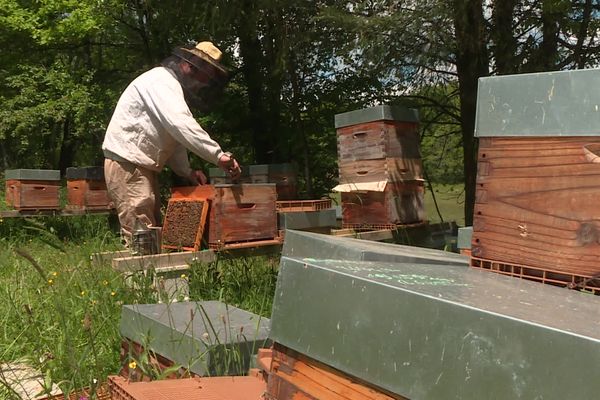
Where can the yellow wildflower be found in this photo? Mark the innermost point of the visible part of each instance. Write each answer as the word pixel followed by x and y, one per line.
pixel 113 293
pixel 55 273
pixel 132 365
pixel 83 292
pixel 50 282
pixel 183 276
pixel 105 282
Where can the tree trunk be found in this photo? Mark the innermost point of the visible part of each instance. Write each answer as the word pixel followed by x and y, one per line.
pixel 471 63
pixel 505 44
pixel 251 54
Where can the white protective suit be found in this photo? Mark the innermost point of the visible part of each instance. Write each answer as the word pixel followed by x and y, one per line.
pixel 152 126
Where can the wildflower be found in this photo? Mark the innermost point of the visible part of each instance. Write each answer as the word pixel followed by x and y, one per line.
pixel 113 293
pixel 83 292
pixel 105 282
pixel 94 302
pixel 132 365
pixel 183 276
pixel 50 282
pixel 55 274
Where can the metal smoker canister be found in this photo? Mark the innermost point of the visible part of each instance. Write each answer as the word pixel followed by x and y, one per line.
pixel 143 240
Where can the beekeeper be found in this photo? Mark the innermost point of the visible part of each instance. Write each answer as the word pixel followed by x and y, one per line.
pixel 152 126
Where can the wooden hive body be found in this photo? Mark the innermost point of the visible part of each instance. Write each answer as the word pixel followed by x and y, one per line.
pixel 538 177
pixel 380 168
pixel 32 189
pixel 86 189
pixel 237 213
pixel 536 203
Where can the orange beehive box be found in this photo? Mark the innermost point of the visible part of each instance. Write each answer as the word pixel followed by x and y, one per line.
pixel 32 189
pixel 215 388
pixel 86 189
pixel 237 213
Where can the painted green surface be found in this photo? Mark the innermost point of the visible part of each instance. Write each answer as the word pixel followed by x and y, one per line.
pixel 464 237
pixel 377 113
pixel 565 103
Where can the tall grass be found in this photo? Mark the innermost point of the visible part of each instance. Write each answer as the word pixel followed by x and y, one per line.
pixel 60 313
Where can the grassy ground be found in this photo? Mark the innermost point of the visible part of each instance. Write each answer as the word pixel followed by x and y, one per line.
pixel 60 313
pixel 450 201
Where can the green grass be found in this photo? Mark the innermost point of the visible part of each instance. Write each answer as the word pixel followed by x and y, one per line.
pixel 60 313
pixel 450 201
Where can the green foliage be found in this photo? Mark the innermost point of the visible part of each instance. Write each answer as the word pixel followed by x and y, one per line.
pixel 247 283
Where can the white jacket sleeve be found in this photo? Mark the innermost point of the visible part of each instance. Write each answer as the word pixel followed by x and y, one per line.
pixel 167 103
pixel 179 162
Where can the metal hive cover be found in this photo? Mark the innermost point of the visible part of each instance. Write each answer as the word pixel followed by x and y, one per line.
pixel 184 332
pixel 305 244
pixel 564 103
pixel 427 331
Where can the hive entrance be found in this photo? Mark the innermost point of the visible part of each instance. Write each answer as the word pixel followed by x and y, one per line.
pixel 184 224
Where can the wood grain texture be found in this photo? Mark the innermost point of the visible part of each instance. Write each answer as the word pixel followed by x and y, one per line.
pixel 537 204
pixel 382 169
pixel 32 194
pixel 296 376
pixel 399 203
pixel 87 194
pixel 237 213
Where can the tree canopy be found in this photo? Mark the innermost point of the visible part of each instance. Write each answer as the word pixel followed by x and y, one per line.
pixel 296 64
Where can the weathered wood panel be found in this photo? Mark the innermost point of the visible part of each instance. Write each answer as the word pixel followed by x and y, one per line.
pixel 399 203
pixel 237 213
pixel 296 376
pixel 384 169
pixel 32 194
pixel 88 194
pixel 242 213
pixel 537 203
pixel 378 139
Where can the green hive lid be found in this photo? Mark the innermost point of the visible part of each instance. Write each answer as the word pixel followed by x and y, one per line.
pixel 377 113
pixel 32 174
pixel 565 103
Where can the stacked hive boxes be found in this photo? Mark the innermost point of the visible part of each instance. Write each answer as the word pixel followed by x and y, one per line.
pixel 381 177
pixel 538 178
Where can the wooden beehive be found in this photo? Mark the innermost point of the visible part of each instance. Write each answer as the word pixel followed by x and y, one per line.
pixel 380 168
pixel 538 178
pixel 237 213
pixel 86 189
pixel 536 203
pixel 398 203
pixel 32 189
pixel 284 176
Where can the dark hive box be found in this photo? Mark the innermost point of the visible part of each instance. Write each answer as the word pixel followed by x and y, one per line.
pixel 32 189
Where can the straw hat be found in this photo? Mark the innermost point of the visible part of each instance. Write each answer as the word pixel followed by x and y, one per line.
pixel 208 52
